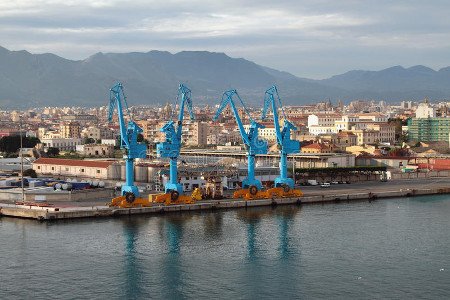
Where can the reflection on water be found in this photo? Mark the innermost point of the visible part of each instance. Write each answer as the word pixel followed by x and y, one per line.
pixel 283 252
pixel 133 271
pixel 174 226
pixel 285 218
pixel 252 217
pixel 213 225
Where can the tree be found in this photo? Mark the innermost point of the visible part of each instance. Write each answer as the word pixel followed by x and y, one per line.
pixel 30 173
pixel 398 123
pixel 52 151
pixel 88 140
pixel 11 144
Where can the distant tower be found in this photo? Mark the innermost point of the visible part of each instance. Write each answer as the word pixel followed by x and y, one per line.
pixel 167 111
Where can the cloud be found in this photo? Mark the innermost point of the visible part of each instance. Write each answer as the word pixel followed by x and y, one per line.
pixel 310 38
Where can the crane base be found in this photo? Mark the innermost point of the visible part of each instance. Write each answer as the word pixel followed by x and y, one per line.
pixel 283 192
pixel 122 202
pixel 167 199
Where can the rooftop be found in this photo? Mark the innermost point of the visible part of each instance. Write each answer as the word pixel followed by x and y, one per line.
pixel 74 162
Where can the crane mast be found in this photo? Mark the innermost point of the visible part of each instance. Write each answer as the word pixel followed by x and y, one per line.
pixel 252 143
pixel 170 148
pixel 283 137
pixel 128 139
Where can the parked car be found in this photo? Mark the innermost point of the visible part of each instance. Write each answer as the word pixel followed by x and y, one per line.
pixel 334 182
pixel 325 185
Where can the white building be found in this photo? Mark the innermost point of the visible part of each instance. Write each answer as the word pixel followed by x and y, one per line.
pixel 424 110
pixel 322 123
pixel 109 142
pixel 316 129
pixel 68 144
pixel 268 133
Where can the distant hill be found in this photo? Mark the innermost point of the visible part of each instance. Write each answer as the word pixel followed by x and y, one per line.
pixel 395 83
pixel 30 80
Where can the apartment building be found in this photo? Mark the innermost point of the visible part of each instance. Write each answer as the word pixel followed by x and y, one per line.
pixel 367 136
pixel 386 132
pixel 81 119
pixel 97 133
pixel 428 129
pixel 70 130
pixel 196 134
pixel 151 129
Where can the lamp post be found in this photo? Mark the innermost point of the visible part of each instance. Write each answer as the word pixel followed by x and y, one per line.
pixel 21 160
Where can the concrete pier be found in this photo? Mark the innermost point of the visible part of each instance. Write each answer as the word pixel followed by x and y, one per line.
pixel 53 213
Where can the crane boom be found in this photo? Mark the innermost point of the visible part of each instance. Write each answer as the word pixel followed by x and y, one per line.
pixel 252 143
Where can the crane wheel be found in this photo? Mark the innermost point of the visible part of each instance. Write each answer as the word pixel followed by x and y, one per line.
pixel 286 188
pixel 174 195
pixel 130 197
pixel 253 190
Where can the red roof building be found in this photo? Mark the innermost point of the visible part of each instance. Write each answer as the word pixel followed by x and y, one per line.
pixel 99 169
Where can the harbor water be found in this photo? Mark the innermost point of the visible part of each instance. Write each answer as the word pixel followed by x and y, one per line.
pixel 395 248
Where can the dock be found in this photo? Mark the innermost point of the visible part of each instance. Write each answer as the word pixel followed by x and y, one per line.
pixel 312 196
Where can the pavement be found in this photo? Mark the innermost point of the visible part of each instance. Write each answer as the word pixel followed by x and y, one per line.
pixel 378 186
pixel 352 188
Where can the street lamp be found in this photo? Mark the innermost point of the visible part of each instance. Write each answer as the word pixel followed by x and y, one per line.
pixel 21 160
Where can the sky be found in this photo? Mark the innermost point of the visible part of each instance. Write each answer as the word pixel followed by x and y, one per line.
pixel 308 38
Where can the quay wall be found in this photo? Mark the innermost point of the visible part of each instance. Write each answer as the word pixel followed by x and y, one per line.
pixel 52 213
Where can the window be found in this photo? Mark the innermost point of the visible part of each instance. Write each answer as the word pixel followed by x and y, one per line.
pixel 82 170
pixel 53 168
pixel 98 171
pixel 67 169
pixel 39 167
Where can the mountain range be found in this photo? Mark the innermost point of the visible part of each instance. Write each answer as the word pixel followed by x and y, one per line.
pixel 35 80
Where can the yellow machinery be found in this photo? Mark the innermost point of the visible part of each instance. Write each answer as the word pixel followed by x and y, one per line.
pixel 197 194
pixel 123 202
pixel 275 192
pixel 174 198
pixel 283 192
pixel 250 194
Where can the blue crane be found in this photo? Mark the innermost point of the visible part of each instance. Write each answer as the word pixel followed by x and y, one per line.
pixel 252 143
pixel 128 140
pixel 170 148
pixel 284 141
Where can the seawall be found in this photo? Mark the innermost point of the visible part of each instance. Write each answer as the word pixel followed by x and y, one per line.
pixel 55 213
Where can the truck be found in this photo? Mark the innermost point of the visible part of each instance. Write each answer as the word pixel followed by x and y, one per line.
pixel 312 182
pixel 385 176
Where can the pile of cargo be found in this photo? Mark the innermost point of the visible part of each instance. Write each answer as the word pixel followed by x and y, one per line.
pixel 57 185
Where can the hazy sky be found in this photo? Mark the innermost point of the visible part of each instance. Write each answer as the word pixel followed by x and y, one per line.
pixel 311 38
